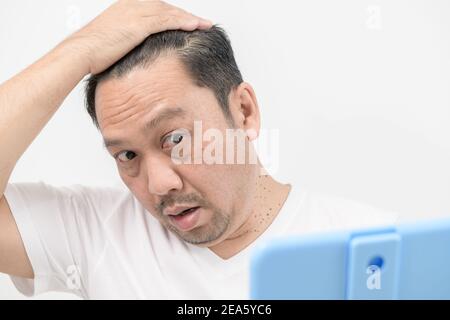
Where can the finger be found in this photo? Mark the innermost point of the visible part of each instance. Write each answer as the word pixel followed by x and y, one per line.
pixel 172 17
pixel 205 24
pixel 192 22
pixel 185 22
pixel 202 22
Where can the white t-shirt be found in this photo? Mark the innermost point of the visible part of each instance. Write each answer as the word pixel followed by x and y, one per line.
pixel 101 243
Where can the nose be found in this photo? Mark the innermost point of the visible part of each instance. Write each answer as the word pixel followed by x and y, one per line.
pixel 161 177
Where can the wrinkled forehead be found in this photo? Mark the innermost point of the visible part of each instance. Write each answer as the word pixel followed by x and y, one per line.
pixel 165 82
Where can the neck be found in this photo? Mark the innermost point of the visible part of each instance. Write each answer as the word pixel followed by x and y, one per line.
pixel 269 198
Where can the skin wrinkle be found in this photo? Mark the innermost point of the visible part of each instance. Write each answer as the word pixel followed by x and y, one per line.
pixel 123 93
pixel 111 100
pixel 127 107
pixel 164 115
pixel 158 91
pixel 119 104
pixel 122 116
pixel 127 116
pixel 131 103
pixel 151 100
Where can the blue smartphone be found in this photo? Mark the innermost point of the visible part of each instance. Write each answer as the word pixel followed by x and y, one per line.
pixel 406 261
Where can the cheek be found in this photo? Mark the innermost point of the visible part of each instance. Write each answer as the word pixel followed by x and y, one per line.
pixel 126 179
pixel 231 183
pixel 136 186
pixel 216 182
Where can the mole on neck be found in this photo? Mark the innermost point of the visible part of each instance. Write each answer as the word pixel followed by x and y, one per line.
pixel 269 198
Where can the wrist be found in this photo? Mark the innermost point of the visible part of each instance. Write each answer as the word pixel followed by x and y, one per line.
pixel 76 54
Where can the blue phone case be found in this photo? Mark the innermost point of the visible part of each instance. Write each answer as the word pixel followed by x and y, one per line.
pixel 409 261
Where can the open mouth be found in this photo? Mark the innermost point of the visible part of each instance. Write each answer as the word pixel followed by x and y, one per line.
pixel 187 211
pixel 187 219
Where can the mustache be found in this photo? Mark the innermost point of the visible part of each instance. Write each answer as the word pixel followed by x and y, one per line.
pixel 181 199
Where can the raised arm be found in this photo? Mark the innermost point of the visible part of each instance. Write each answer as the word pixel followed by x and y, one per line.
pixel 29 100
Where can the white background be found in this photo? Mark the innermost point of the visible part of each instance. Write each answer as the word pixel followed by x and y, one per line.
pixel 359 91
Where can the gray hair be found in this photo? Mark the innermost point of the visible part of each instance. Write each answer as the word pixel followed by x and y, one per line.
pixel 207 55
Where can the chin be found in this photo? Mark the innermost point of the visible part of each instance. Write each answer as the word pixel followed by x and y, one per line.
pixel 204 245
pixel 207 244
pixel 212 243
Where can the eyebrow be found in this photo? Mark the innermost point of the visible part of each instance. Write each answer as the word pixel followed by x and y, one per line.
pixel 166 114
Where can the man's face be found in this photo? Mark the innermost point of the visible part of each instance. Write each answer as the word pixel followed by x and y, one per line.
pixel 143 116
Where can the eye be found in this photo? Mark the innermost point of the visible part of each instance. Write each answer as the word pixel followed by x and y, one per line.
pixel 173 139
pixel 126 156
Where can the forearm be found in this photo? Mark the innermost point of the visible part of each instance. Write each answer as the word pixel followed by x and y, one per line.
pixel 30 99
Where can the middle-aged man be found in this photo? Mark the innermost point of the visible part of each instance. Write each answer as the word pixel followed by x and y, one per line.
pixel 161 79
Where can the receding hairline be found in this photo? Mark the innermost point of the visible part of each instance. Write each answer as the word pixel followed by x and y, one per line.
pixel 141 68
pixel 206 55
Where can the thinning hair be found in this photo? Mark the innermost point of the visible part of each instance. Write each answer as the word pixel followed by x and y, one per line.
pixel 206 54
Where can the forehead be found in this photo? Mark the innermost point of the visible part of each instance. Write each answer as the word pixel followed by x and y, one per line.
pixel 145 97
pixel 164 82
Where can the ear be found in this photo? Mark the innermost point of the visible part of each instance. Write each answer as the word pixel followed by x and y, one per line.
pixel 245 110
